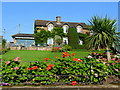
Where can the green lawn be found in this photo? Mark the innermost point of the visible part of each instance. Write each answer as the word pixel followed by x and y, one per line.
pixel 31 55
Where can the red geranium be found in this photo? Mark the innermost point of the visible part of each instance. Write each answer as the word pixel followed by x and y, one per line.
pixel 29 68
pixel 35 67
pixel 73 54
pixel 65 54
pixel 77 59
pixel 74 83
pixel 47 58
pixel 50 66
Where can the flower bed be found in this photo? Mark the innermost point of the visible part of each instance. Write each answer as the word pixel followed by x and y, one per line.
pixel 67 70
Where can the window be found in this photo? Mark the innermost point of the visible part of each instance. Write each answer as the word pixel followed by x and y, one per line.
pixel 79 29
pixel 65 40
pixel 65 28
pixel 50 41
pixel 50 27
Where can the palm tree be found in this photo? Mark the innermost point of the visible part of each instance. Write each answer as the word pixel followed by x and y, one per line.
pixel 103 34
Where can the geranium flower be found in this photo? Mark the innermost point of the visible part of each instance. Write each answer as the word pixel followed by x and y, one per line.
pixel 116 70
pixel 17 58
pixel 7 62
pixel 56 57
pixel 75 59
pixel 50 66
pixel 104 59
pixel 74 83
pixel 113 59
pixel 15 68
pixel 29 68
pixel 73 54
pixel 113 63
pixel 108 64
pixel 47 58
pixel 35 67
pixel 65 54
pixel 79 60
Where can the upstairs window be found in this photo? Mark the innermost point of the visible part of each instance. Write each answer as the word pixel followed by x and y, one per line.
pixel 65 28
pixel 50 27
pixel 79 29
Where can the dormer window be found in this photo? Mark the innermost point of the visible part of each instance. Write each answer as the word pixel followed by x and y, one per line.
pixel 65 28
pixel 50 27
pixel 79 29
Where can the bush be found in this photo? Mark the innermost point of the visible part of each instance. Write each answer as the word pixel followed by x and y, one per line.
pixel 5 50
pixel 56 49
pixel 73 38
pixel 66 48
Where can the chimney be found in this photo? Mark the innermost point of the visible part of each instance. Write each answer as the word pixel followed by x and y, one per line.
pixel 58 18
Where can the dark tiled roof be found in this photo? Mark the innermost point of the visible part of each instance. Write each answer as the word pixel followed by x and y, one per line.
pixel 71 24
pixel 23 35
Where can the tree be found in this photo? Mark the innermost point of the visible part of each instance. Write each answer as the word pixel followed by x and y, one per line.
pixel 73 38
pixel 82 37
pixel 57 31
pixel 41 37
pixel 3 43
pixel 103 33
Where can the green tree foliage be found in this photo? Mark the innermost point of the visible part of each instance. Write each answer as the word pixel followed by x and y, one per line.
pixel 3 43
pixel 82 37
pixel 57 31
pixel 41 37
pixel 73 38
pixel 103 33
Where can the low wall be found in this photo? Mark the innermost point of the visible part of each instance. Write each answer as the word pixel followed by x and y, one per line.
pixel 31 48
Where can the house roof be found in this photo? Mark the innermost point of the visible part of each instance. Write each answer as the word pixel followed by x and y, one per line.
pixel 22 35
pixel 71 24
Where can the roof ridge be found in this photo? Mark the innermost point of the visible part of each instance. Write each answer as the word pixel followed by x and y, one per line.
pixel 61 21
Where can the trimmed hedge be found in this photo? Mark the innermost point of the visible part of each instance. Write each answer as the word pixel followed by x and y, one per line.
pixel 73 38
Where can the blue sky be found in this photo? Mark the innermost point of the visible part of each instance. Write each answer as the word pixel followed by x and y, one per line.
pixel 24 13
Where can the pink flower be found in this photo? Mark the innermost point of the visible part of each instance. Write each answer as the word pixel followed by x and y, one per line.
pixel 113 58
pixel 17 58
pixel 15 68
pixel 7 62
pixel 104 59
pixel 116 69
pixel 113 63
pixel 119 59
pixel 108 64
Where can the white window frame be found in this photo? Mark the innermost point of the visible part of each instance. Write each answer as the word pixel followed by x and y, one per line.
pixel 65 28
pixel 50 27
pixel 79 29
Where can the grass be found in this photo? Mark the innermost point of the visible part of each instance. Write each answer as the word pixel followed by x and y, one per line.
pixel 32 55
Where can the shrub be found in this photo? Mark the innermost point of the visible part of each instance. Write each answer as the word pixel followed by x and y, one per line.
pixel 56 49
pixel 73 38
pixel 66 48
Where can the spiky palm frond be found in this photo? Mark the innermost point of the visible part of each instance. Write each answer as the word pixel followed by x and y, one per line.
pixel 104 31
